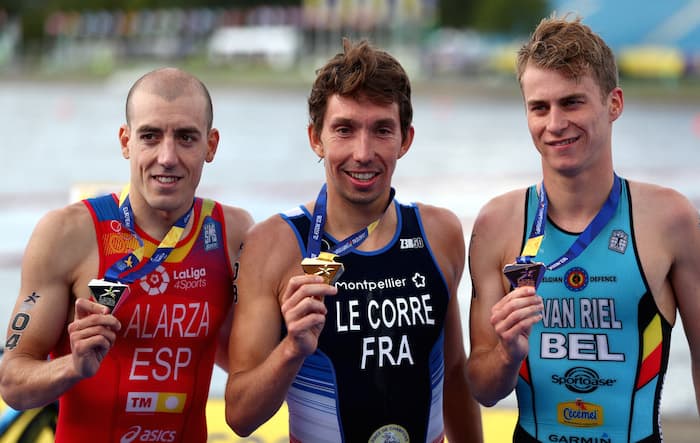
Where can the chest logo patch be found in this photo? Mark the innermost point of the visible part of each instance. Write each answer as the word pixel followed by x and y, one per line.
pixel 390 434
pixel 418 280
pixel 412 243
pixel 576 279
pixel 580 414
pixel 618 241
pixel 156 282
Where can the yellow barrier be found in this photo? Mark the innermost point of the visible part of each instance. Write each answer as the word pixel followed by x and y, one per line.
pixel 498 426
pixel 31 426
pixel 34 427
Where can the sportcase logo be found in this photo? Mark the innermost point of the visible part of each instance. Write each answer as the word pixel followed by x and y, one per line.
pixel 582 380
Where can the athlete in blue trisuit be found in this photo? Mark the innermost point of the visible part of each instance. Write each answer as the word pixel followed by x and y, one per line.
pixel 587 350
pixel 378 356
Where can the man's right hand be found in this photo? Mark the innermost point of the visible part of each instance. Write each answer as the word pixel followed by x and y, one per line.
pixel 512 318
pixel 304 311
pixel 92 334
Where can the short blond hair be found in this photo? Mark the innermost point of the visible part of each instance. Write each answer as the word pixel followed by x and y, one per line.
pixel 571 48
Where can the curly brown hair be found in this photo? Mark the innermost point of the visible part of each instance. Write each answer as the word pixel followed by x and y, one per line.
pixel 361 71
pixel 571 48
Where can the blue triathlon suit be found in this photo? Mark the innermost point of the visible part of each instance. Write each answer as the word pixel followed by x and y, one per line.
pixel 377 374
pixel 597 360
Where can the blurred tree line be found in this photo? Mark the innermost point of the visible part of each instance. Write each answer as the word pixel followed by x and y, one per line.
pixel 489 16
pixel 493 16
pixel 34 12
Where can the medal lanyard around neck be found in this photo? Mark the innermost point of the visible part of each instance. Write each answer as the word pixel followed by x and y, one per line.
pixel 313 243
pixel 124 269
pixel 584 239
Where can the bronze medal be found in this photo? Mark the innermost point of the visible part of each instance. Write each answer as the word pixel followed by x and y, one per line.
pixel 524 274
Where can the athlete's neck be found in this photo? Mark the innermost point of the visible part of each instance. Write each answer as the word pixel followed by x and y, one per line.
pixel 344 218
pixel 575 201
pixel 156 222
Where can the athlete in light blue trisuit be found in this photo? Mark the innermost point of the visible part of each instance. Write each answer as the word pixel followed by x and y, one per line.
pixel 588 349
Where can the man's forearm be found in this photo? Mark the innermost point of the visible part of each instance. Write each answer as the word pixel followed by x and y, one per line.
pixel 27 383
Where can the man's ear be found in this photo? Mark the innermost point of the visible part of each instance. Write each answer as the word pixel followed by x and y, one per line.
pixel 212 144
pixel 315 142
pixel 408 140
pixel 617 103
pixel 124 135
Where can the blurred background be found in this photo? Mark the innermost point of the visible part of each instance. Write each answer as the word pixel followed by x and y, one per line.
pixel 66 66
pixel 435 38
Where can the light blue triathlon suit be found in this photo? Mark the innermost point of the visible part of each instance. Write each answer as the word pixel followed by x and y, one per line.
pixel 597 360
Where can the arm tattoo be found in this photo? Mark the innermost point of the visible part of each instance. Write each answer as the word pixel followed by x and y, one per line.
pixel 21 321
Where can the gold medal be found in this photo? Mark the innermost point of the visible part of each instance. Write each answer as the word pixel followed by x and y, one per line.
pixel 524 274
pixel 325 266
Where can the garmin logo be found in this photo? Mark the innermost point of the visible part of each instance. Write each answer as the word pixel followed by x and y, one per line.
pixel 556 438
pixel 582 380
pixel 412 243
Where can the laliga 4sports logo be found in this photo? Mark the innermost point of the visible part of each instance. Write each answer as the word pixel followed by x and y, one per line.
pixel 156 282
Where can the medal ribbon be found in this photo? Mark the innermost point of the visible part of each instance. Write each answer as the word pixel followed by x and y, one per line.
pixel 313 243
pixel 124 270
pixel 584 239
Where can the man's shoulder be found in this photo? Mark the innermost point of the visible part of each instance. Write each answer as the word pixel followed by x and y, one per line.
pixel 436 214
pixel 74 215
pixel 274 228
pixel 272 244
pixel 237 218
pixel 235 211
pixel 69 226
pixel 648 190
pixel 657 196
pixel 500 220
pixel 661 203
pixel 504 205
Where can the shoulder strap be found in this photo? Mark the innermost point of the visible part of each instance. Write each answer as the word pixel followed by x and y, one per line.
pixel 104 207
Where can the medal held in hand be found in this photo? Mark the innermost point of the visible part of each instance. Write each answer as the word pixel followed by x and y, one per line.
pixel 325 266
pixel 524 274
pixel 108 293
pixel 323 263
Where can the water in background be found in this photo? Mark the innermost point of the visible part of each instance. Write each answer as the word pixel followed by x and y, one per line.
pixel 466 150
